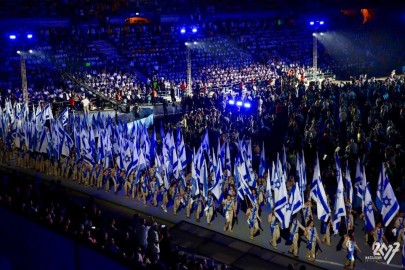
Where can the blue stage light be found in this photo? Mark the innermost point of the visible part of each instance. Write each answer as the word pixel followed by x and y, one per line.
pixel 246 105
pixel 321 22
pixel 239 103
pixel 13 37
pixel 231 102
pixel 194 30
pixel 29 36
pixel 183 30
pixel 311 23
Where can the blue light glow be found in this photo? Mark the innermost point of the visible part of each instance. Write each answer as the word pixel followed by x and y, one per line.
pixel 13 37
pixel 231 102
pixel 246 105
pixel 239 103
pixel 183 30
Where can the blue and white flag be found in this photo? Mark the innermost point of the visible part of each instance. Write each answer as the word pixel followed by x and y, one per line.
pixel 47 113
pixel 181 149
pixel 348 185
pixel 204 175
pixel 262 166
pixel 216 189
pixel 64 116
pixel 194 180
pixel 359 180
pixel 390 206
pixel 368 210
pixel 269 195
pixel 296 201
pixel 380 188
pixel 340 208
pixel 228 158
pixel 319 195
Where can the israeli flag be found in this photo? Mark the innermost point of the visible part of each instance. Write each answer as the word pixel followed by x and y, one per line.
pixel 262 166
pixel 340 209
pixel 380 188
pixel 368 210
pixel 319 195
pixel 359 180
pixel 216 189
pixel 64 116
pixel 390 206
pixel 348 184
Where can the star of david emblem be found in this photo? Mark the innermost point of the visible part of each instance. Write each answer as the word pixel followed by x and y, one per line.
pixel 386 201
pixel 289 205
pixel 369 207
pixel 277 184
pixel 127 158
pixel 339 192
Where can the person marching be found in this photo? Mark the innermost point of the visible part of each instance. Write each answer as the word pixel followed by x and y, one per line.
pixel 128 184
pixel 198 202
pixel 351 247
pixel 313 239
pixel 274 229
pixel 165 198
pixel 154 189
pixel 294 235
pixel 307 211
pixel 209 207
pixel 325 231
pixel 253 219
pixel 229 212
pixel 189 200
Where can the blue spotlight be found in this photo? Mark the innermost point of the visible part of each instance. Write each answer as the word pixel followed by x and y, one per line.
pixel 183 30
pixel 311 22
pixel 194 30
pixel 29 36
pixel 231 102
pixel 321 22
pixel 246 105
pixel 239 103
pixel 13 37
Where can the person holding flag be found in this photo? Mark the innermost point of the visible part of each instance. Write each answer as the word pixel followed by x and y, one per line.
pixel 154 189
pixel 209 207
pixel 294 235
pixel 398 230
pixel 253 218
pixel 198 203
pixel 229 212
pixel 351 247
pixel 188 199
pixel 307 211
pixel 274 229
pixel 313 239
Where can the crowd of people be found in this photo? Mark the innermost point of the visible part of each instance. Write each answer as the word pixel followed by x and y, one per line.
pixel 137 242
pixel 363 119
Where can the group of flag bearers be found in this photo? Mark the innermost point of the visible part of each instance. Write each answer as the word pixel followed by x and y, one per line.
pixel 98 152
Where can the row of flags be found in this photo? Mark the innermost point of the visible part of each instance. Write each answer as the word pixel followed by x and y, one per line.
pixel 98 139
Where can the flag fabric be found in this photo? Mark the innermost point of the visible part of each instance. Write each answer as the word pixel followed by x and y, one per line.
pixel 390 206
pixel 340 208
pixel 380 188
pixel 262 165
pixel 296 201
pixel 269 195
pixel 280 193
pixel 359 180
pixel 194 180
pixel 216 189
pixel 319 195
pixel 368 210
pixel 348 185
pixel 64 116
